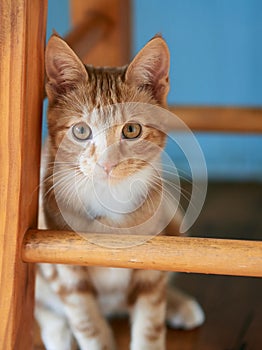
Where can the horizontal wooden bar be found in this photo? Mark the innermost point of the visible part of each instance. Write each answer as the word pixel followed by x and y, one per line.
pixel 182 254
pixel 220 119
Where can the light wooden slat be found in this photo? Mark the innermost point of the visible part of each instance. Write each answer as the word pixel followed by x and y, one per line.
pixel 87 34
pixel 21 92
pixel 220 119
pixel 114 49
pixel 183 254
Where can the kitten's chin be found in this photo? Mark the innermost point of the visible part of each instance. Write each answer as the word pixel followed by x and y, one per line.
pixel 111 180
pixel 99 176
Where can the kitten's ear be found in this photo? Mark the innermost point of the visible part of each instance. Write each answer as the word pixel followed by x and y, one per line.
pixel 150 68
pixel 64 69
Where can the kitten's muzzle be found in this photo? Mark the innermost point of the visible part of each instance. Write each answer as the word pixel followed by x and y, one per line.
pixel 107 166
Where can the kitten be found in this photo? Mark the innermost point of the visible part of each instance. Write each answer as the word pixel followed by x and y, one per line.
pixel 96 151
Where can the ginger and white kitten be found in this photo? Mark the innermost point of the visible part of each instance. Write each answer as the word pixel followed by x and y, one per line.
pixel 93 137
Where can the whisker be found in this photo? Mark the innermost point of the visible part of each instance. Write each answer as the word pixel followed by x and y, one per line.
pixel 57 174
pixel 184 179
pixel 61 177
pixel 171 196
pixel 80 179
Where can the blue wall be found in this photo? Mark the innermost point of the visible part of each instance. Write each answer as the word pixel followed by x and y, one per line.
pixel 58 17
pixel 216 59
pixel 215 45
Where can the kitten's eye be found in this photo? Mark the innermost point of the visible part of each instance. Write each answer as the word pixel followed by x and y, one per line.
pixel 82 131
pixel 131 131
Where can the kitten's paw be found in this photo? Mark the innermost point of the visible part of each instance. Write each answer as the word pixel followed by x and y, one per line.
pixel 105 341
pixel 183 311
pixel 187 316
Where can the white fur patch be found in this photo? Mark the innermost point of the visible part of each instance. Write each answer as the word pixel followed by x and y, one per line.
pixel 110 279
pixel 114 201
pixel 183 311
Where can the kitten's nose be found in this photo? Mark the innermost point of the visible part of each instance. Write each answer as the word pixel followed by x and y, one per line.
pixel 107 166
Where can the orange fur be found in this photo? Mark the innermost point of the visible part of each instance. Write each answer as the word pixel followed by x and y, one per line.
pixel 74 299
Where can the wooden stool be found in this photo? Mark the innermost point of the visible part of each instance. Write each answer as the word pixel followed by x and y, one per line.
pixel 22 43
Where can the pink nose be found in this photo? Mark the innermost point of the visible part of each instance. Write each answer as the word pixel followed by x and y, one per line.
pixel 107 166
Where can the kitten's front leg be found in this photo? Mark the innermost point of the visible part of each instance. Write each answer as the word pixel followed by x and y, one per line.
pixel 87 323
pixel 148 312
pixel 55 331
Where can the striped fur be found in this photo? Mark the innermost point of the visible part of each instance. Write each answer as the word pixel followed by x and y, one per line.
pixel 72 302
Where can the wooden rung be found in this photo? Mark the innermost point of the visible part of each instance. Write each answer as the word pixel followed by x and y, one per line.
pixel 182 254
pixel 222 119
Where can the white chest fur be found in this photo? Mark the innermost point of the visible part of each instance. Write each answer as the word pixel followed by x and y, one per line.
pixel 110 280
pixel 112 285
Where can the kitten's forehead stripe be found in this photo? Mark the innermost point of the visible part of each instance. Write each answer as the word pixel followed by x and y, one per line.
pixel 104 83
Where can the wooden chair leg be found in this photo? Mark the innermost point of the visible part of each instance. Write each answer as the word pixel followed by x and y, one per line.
pixel 21 84
pixel 114 17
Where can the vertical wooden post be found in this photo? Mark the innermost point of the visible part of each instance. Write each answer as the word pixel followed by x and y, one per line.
pixel 22 40
pixel 114 48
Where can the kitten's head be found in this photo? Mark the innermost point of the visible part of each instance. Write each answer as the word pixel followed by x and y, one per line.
pixel 95 117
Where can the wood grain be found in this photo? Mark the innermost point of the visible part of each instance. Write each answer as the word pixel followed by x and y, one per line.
pixel 114 49
pixel 21 85
pixel 220 119
pixel 183 254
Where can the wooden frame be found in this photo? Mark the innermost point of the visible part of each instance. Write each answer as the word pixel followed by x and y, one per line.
pixel 115 27
pixel 220 119
pixel 21 84
pixel 183 254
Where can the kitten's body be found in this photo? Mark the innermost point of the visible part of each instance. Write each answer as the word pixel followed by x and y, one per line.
pixel 72 301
